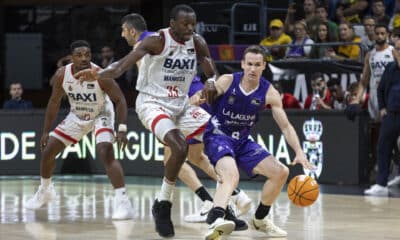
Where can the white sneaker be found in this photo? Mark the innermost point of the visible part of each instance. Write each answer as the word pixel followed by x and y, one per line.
pixel 201 215
pixel 122 208
pixel 242 203
pixel 377 190
pixel 267 227
pixel 220 228
pixel 395 181
pixel 41 197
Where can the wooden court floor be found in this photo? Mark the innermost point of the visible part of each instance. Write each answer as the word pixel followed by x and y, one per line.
pixel 84 205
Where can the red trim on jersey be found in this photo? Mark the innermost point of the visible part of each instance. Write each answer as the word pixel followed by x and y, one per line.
pixel 172 36
pixel 156 120
pixel 103 130
pixel 197 132
pixel 63 135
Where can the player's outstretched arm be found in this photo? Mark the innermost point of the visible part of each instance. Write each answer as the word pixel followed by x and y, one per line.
pixel 121 108
pixel 53 105
pixel 150 45
pixel 280 117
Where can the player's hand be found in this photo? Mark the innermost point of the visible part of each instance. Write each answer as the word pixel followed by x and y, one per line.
pixel 197 99
pixel 43 141
pixel 301 158
pixel 121 140
pixel 88 75
pixel 210 92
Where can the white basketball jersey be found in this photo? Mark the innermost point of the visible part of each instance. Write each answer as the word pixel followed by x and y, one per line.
pixel 169 74
pixel 377 63
pixel 87 100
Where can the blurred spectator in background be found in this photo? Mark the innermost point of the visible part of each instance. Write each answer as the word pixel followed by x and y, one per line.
pixel 347 35
pixel 321 14
pixel 288 100
pixel 293 10
pixel 16 102
pixel 324 36
pixel 320 98
pixel 301 38
pixel 368 40
pixel 276 37
pixel 339 96
pixel 378 12
pixel 353 90
pixel 394 36
pixel 351 11
pixel 107 56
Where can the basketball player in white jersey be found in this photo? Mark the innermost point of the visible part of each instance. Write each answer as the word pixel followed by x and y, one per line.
pixel 91 111
pixel 168 66
pixel 374 66
pixel 134 30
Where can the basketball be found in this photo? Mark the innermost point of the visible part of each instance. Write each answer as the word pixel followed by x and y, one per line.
pixel 303 190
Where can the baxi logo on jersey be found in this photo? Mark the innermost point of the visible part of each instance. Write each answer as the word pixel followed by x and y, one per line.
pixel 85 97
pixel 187 64
pixel 313 147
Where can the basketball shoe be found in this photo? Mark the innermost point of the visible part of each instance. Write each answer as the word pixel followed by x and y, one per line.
pixel 395 181
pixel 267 227
pixel 122 208
pixel 219 228
pixel 201 215
pixel 161 211
pixel 41 197
pixel 242 203
pixel 377 190
pixel 240 225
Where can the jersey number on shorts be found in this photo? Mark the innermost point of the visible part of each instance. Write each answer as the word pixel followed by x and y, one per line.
pixel 172 91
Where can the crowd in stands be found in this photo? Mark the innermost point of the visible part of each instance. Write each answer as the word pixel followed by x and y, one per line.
pixel 335 29
pixel 311 29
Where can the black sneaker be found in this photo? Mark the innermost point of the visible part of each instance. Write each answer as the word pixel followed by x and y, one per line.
pixel 240 225
pixel 162 216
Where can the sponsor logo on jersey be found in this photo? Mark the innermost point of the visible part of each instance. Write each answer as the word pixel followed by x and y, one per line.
pixel 191 51
pixel 380 64
pixel 174 78
pixel 256 101
pixel 84 97
pixel 231 99
pixel 179 63
pixel 90 86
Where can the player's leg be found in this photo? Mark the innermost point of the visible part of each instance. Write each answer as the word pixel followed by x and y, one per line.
pixel 104 148
pixel 66 133
pixel 242 203
pixel 189 177
pixel 277 174
pixel 387 140
pixel 156 116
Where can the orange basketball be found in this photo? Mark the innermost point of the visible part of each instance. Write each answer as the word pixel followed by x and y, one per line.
pixel 303 190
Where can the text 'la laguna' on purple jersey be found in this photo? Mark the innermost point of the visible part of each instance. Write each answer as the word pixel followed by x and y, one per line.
pixel 232 117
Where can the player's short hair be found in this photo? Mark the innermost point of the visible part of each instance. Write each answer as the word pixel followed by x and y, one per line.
pixel 380 25
pixel 180 8
pixel 256 49
pixel 77 44
pixel 136 21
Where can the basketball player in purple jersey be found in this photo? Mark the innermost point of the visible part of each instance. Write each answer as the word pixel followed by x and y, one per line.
pixel 241 96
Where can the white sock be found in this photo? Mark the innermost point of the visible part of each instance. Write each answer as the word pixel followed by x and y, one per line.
pixel 120 192
pixel 45 182
pixel 166 191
